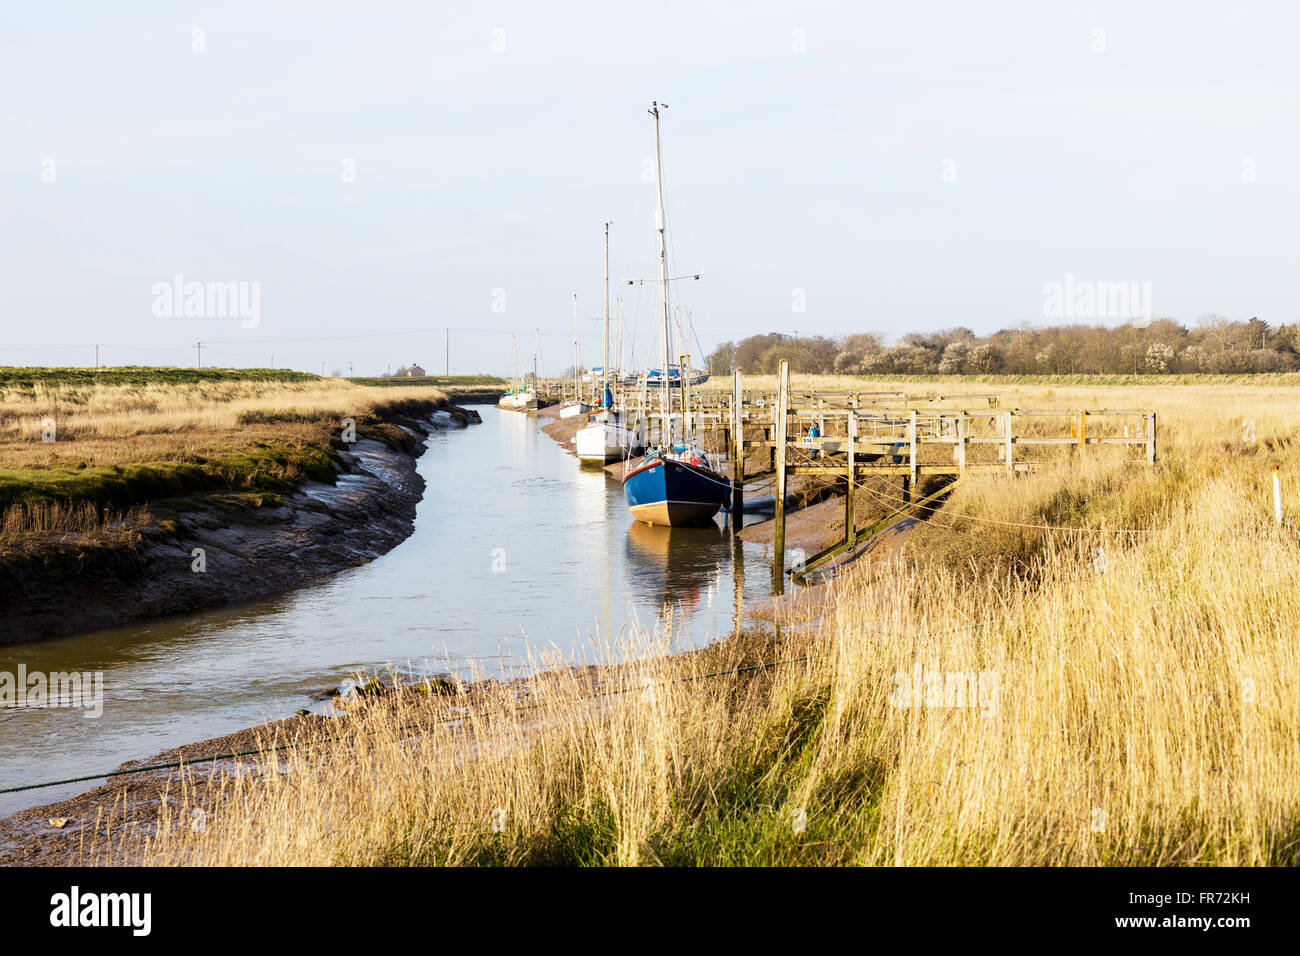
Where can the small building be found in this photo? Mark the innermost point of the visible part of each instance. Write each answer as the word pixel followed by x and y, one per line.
pixel 414 371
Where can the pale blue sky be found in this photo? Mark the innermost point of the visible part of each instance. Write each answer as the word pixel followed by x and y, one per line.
pixel 479 170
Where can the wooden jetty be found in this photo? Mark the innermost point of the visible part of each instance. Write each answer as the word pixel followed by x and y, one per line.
pixel 853 436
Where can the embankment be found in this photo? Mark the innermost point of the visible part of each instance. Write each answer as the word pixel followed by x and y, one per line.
pixel 215 548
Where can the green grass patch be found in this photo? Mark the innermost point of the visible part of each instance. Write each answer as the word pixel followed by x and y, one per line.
pixel 266 469
pixel 749 812
pixel 30 377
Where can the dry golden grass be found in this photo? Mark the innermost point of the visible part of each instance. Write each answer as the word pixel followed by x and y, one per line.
pixel 1144 714
pixel 121 424
pixel 116 447
pixel 65 518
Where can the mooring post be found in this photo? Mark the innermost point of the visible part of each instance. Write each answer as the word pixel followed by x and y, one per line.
pixel 850 515
pixel 1277 496
pixel 778 545
pixel 737 452
pixel 961 443
pixel 911 439
pixel 1007 442
pixel 1151 438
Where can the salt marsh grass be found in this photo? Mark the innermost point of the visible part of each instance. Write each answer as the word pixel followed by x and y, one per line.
pixel 1145 708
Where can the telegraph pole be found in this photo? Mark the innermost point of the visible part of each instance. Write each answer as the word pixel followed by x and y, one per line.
pixel 198 350
pixel 97 348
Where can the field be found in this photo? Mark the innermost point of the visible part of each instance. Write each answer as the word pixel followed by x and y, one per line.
pixel 437 381
pixel 1091 665
pixel 79 449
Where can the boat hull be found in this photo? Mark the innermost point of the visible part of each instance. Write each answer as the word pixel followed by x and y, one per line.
pixel 518 401
pixel 673 493
pixel 573 409
pixel 602 442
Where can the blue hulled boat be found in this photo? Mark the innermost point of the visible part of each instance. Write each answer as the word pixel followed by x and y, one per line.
pixel 673 484
pixel 675 487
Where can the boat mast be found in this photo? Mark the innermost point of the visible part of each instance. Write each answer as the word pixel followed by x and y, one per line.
pixel 577 383
pixel 663 275
pixel 604 369
pixel 619 300
pixel 519 368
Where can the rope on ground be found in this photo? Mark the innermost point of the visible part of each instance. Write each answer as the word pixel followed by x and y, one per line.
pixel 175 764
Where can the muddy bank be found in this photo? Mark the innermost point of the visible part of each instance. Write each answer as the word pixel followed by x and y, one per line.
pixel 221 549
pixel 563 430
pixel 117 812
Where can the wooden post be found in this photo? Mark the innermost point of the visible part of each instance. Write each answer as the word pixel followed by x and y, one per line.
pixel 850 515
pixel 1007 441
pixel 737 453
pixel 1083 429
pixel 961 443
pixel 778 557
pixel 911 438
pixel 1151 438
pixel 1277 496
pixel 738 585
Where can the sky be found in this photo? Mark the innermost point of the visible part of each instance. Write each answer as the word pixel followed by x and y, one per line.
pixel 378 173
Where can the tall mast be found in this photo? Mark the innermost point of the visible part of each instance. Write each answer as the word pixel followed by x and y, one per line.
pixel 663 272
pixel 604 369
pixel 619 300
pixel 577 383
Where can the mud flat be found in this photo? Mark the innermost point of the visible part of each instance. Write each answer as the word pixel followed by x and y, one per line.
pixel 226 549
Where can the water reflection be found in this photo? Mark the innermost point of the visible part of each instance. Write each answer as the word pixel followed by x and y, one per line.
pixel 515 549
pixel 678 567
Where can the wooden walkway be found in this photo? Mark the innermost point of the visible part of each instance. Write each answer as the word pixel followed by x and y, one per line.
pixel 854 436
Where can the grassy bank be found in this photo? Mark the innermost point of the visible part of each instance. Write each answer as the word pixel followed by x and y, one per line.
pixel 1001 696
pixel 12 377
pixel 939 384
pixel 73 442
pixel 448 382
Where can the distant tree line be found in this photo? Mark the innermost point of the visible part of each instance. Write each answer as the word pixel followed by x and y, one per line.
pixel 1164 346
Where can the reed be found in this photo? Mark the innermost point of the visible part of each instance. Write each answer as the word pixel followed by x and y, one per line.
pixel 1136 711
pixel 66 441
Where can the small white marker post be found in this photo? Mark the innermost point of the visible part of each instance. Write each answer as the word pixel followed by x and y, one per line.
pixel 1277 496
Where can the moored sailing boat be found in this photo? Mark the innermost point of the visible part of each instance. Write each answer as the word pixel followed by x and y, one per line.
pixel 607 438
pixel 518 396
pixel 578 406
pixel 675 483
